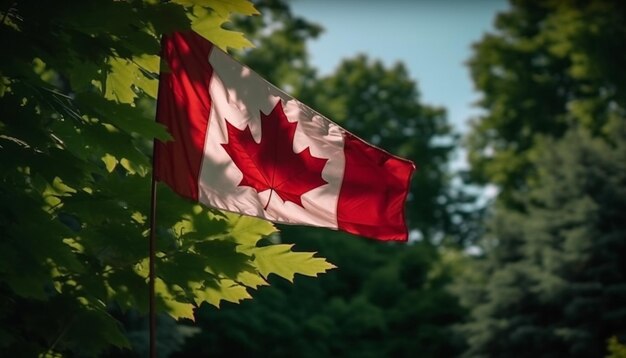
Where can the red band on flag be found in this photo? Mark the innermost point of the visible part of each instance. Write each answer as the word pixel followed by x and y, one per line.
pixel 183 107
pixel 373 192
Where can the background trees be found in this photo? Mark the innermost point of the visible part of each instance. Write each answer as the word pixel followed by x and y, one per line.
pixel 551 282
pixel 554 279
pixel 549 67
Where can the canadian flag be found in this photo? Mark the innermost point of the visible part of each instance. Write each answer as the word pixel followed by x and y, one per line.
pixel 242 145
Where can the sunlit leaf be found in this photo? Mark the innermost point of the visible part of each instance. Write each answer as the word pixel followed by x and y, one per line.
pixel 280 260
pixel 110 162
pixel 209 25
pixel 121 76
pixel 222 290
pixel 170 304
pixel 248 230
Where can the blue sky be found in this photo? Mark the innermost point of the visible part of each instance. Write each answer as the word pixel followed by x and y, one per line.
pixel 433 38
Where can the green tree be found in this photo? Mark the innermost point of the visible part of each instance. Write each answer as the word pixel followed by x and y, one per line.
pixel 554 279
pixel 77 97
pixel 551 140
pixel 549 66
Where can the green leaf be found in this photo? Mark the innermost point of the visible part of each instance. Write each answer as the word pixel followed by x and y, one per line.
pixel 120 78
pixel 248 230
pixel 182 267
pixel 251 279
pixel 222 258
pixel 82 74
pixel 124 75
pixel 224 8
pixel 222 290
pixel 134 168
pixel 129 289
pixel 125 117
pixel 280 260
pixel 148 63
pixel 167 299
pixel 209 25
pixel 110 162
pixel 149 69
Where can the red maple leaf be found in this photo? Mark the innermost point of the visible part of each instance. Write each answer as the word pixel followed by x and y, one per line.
pixel 272 164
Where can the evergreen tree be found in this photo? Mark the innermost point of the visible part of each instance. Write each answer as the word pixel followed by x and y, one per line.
pixel 554 279
pixel 551 139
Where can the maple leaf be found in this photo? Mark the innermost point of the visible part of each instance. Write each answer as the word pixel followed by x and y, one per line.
pixel 272 164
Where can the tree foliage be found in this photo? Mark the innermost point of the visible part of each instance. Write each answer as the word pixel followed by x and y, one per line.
pixel 383 301
pixel 554 281
pixel 77 97
pixel 550 65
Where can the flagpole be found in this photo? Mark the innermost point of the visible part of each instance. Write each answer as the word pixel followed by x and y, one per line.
pixel 152 258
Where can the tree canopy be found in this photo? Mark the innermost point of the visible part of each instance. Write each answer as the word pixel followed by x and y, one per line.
pixel 551 279
pixel 77 98
pixel 554 281
pixel 550 66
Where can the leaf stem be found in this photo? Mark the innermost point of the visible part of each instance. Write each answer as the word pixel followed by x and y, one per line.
pixel 268 199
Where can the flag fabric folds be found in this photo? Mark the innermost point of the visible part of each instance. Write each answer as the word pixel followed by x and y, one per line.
pixel 242 145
